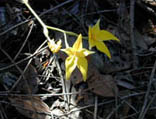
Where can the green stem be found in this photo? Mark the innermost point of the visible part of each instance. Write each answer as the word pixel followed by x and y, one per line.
pixel 46 27
pixel 67 32
pixel 55 29
pixel 45 30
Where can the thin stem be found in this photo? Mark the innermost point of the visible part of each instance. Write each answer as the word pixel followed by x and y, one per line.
pixel 67 32
pixel 24 42
pixel 132 35
pixel 34 13
pixel 55 29
pixel 45 30
pixel 64 84
pixel 65 38
pixel 46 27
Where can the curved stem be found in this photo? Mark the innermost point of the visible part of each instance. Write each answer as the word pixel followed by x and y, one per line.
pixel 46 27
pixel 45 30
pixel 67 32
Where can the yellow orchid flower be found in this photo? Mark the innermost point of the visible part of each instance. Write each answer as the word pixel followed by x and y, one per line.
pixel 76 57
pixel 54 47
pixel 97 36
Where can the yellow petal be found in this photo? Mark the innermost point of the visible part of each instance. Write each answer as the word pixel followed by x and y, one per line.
pixel 86 52
pixel 96 27
pixel 79 54
pixel 78 43
pixel 83 53
pixel 91 38
pixel 104 35
pixel 83 67
pixel 58 46
pixel 103 48
pixel 69 51
pixel 59 42
pixel 51 44
pixel 70 64
pixel 54 47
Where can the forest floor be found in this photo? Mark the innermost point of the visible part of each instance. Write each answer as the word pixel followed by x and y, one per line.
pixel 32 78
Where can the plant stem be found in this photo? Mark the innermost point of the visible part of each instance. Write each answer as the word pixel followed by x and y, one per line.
pixel 60 30
pixel 46 27
pixel 67 32
pixel 45 30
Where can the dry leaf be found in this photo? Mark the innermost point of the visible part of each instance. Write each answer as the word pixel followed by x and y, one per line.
pixel 30 85
pixel 31 107
pixel 103 85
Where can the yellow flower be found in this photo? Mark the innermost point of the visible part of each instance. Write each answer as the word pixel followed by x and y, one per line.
pixel 76 57
pixel 54 47
pixel 97 36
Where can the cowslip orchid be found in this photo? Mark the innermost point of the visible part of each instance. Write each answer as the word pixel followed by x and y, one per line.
pixel 97 36
pixel 77 58
pixel 76 54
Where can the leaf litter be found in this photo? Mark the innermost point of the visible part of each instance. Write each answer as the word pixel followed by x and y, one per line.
pixel 32 81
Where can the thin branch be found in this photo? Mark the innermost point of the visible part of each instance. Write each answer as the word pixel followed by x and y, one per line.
pixel 24 42
pixel 133 43
pixel 96 107
pixel 142 113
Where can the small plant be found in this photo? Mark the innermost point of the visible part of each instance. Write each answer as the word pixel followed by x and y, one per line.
pixel 77 54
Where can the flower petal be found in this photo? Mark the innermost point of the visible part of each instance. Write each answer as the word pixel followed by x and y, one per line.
pixel 103 48
pixel 70 64
pixel 87 52
pixel 78 43
pixel 51 45
pixel 104 35
pixel 83 67
pixel 59 42
pixel 69 51
pixel 54 47
pixel 83 53
pixel 91 38
pixel 96 27
pixel 58 46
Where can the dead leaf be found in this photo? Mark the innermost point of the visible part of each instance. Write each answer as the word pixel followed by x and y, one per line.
pixel 103 85
pixel 30 85
pixel 31 107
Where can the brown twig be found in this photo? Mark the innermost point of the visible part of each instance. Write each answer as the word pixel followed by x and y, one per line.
pixel 133 42
pixel 25 59
pixel 26 39
pixel 143 110
pixel 96 107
